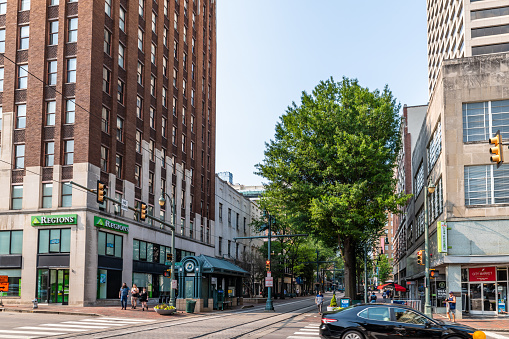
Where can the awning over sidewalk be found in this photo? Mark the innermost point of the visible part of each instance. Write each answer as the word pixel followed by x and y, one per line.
pixel 216 265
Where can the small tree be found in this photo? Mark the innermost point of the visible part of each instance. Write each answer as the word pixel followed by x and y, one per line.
pixel 384 268
pixel 333 302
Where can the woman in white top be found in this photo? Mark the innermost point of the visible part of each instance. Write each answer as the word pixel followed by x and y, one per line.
pixel 135 293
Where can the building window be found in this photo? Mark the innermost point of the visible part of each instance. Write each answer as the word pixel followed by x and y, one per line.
pixel 166 6
pixel 21 116
pixel 17 197
pixel 3 7
pixel 175 77
pixel 184 36
pixel 105 123
pixel 55 240
pixel 118 166
pixel 174 135
pixel 419 180
pixel 70 111
pixel 435 147
pixel 104 159
pixel 163 126
pixel 151 148
pixel 118 209
pixel 485 185
pixel 120 129
pixel 109 244
pixel 24 33
pixel 245 224
pixel 22 76
pixel 154 22
pixel 192 123
pixel 71 70
pixel 2 40
pixel 489 13
pixel 47 195
pixel 49 153
pixel 477 117
pixel 107 7
pixel 25 5
pixel 419 223
pixel 50 112
pixel 137 175
pixel 139 107
pixel 19 156
pixel 152 118
pixel 68 152
pixel 237 221
pixel 139 76
pixel 52 73
pixel 230 217
pixel 220 246
pixel 66 194
pixel 121 53
pixel 138 141
pixel 175 21
pixel 175 49
pixel 151 182
pixel 229 248
pixel 120 91
pixel 107 42
pixel 153 53
pixel 121 19
pixel 140 39
pixel 183 143
pixel 192 97
pixel 163 164
pixel 174 106
pixel 184 85
pixel 165 36
pixel 192 150
pixel 11 242
pixel 153 86
pixel 73 30
pixel 164 95
pixel 53 32
pixel 183 115
pixel 165 66
pixel 106 80
pixel 141 8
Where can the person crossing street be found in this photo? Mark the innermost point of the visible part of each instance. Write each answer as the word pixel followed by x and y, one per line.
pixel 319 301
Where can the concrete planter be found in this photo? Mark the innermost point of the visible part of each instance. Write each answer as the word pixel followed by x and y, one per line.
pixel 165 312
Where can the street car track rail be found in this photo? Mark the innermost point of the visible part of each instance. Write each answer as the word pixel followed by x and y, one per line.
pixel 172 323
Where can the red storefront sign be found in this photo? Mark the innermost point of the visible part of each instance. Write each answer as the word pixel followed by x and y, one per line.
pixel 482 274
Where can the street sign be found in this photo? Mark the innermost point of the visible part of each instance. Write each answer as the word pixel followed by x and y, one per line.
pixel 174 284
pixel 269 274
pixel 125 205
pixel 269 282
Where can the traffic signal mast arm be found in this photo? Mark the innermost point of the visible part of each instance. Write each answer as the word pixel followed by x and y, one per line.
pixel 105 197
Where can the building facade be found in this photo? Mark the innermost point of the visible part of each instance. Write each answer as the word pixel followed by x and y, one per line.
pixel 464 28
pixel 149 128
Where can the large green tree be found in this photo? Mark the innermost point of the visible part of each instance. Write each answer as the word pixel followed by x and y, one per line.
pixel 330 166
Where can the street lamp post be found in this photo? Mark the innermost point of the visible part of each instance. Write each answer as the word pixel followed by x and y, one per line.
pixel 427 306
pixel 162 202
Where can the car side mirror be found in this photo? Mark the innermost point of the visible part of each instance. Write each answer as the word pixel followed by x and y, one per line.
pixel 427 324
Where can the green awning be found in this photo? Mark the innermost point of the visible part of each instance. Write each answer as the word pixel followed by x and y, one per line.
pixel 220 266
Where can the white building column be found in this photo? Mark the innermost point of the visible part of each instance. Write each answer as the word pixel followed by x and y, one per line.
pixel 453 276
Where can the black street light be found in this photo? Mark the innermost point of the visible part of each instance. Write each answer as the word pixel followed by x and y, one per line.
pixel 162 202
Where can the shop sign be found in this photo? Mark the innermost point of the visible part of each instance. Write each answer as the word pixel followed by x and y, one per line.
pixel 4 283
pixel 111 225
pixel 50 220
pixel 442 236
pixel 441 293
pixel 482 274
pixel 501 306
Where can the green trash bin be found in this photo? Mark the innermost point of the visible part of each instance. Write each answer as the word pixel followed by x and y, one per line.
pixel 190 304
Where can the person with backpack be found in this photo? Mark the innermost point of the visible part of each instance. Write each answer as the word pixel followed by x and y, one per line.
pixel 122 294
pixel 319 301
pixel 372 299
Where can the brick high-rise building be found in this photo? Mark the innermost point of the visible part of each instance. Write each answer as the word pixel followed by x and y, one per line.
pixel 112 90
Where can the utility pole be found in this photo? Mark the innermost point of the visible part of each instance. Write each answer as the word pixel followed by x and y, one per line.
pixel 365 273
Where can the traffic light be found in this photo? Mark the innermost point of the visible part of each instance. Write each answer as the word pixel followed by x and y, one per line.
pixel 169 256
pixel 143 211
pixel 497 156
pixel 267 265
pixel 419 257
pixel 433 273
pixel 167 273
pixel 100 191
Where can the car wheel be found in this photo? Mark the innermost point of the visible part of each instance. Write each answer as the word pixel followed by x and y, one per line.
pixel 352 335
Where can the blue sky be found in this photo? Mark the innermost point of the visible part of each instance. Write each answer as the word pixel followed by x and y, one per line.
pixel 269 51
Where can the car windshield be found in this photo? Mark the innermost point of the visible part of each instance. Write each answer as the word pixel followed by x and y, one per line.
pixel 407 316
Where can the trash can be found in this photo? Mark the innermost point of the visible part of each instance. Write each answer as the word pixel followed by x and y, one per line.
pixel 190 304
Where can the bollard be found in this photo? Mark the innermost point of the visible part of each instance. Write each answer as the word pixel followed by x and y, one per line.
pixel 35 303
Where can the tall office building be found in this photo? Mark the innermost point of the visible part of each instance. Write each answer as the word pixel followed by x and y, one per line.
pixel 112 90
pixel 464 28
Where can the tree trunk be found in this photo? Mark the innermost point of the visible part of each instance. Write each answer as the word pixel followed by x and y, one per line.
pixel 350 267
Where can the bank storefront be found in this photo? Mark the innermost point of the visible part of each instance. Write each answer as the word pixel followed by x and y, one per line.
pixel 484 290
pixel 53 256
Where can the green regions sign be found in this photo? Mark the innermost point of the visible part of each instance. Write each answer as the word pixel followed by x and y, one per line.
pixel 111 225
pixel 51 220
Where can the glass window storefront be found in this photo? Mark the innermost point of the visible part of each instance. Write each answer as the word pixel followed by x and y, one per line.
pixel 11 242
pixel 484 290
pixel 109 244
pixel 53 285
pixel 56 240
pixel 14 279
pixel 108 283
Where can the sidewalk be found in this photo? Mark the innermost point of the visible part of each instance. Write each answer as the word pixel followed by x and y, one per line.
pixel 116 311
pixel 481 323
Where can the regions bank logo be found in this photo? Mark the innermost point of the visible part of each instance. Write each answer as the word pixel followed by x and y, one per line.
pixel 69 219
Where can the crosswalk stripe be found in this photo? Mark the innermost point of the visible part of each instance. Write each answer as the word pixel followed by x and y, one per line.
pixel 91 322
pixel 310 329
pixel 495 335
pixel 306 333
pixel 109 321
pixel 49 328
pixel 300 337
pixel 7 336
pixel 77 326
pixel 32 332
pixel 127 319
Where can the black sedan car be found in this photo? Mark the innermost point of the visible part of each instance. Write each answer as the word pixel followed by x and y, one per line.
pixel 389 321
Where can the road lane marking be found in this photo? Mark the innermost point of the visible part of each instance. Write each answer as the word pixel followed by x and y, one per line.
pixel 124 319
pixel 91 322
pixel 300 337
pixel 49 328
pixel 7 336
pixel 32 332
pixel 310 329
pixel 77 326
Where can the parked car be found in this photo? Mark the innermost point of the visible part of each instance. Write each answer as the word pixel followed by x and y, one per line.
pixel 365 321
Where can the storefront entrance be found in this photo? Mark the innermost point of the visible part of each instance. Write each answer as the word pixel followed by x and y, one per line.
pixel 484 290
pixel 53 286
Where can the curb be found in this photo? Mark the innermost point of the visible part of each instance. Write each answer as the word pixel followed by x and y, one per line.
pixel 49 312
pixel 493 329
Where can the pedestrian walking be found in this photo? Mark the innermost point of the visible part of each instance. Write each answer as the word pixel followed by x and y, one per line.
pixel 451 302
pixel 135 293
pixel 319 302
pixel 384 296
pixel 122 294
pixel 372 299
pixel 144 299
